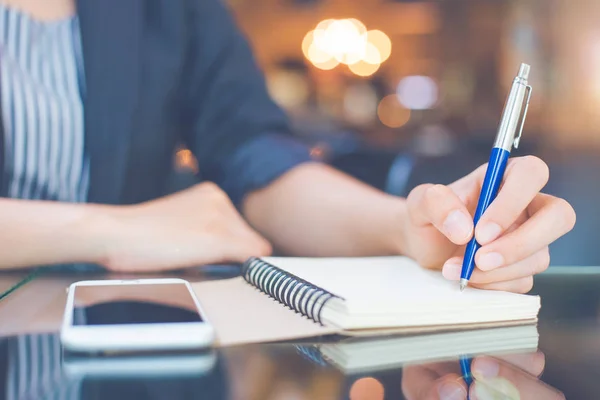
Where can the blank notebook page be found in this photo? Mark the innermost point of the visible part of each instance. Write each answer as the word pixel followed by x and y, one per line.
pixel 395 291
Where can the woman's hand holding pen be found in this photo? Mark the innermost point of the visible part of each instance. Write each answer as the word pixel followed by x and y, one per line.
pixel 514 232
pixel 510 377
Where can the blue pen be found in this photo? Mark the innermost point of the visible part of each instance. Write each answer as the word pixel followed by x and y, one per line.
pixel 506 138
pixel 465 369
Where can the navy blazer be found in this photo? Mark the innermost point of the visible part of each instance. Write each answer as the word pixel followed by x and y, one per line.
pixel 164 72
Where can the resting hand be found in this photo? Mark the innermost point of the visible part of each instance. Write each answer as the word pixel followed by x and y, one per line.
pixel 514 232
pixel 196 226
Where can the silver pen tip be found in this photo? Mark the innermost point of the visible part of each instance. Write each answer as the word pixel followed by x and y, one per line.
pixel 524 71
pixel 463 284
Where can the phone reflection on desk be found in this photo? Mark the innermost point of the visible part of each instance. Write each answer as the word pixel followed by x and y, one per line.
pixel 138 366
pixel 35 367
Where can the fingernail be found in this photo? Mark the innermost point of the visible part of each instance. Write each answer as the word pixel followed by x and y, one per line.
pixel 451 391
pixel 458 225
pixel 488 232
pixel 495 389
pixel 480 391
pixel 485 368
pixel 490 261
pixel 451 271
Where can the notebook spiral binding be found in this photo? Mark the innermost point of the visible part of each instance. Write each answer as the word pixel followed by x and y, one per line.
pixel 312 354
pixel 297 294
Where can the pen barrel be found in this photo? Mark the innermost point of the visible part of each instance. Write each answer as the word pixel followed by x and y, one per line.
pixel 465 369
pixel 511 115
pixel 489 191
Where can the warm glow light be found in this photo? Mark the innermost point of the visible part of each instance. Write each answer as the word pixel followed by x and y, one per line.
pixel 391 113
pixel 327 65
pixel 364 69
pixel 360 27
pixel 340 38
pixel 372 55
pixel 317 56
pixel 346 41
pixel 306 42
pixel 367 389
pixel 382 42
pixel 325 24
pixel 320 32
pixel 185 160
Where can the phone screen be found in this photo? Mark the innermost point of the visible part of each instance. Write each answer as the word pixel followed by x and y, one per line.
pixel 134 304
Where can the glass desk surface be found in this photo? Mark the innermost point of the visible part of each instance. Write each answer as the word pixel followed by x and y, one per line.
pixel 566 364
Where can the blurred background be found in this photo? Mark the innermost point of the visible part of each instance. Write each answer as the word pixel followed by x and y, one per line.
pixel 401 92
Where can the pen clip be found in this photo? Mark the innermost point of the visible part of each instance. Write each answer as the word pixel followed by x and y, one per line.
pixel 518 138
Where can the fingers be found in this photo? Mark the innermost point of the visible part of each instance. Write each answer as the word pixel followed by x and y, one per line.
pixel 421 383
pixel 532 363
pixel 449 387
pixel 521 285
pixel 552 217
pixel 517 277
pixel 495 378
pixel 441 207
pixel 524 178
pixel 416 380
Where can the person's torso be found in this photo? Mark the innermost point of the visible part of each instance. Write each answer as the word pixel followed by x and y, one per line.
pixel 90 105
pixel 41 81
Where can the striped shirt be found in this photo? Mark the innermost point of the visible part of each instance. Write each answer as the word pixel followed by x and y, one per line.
pixel 41 77
pixel 35 370
pixel 41 81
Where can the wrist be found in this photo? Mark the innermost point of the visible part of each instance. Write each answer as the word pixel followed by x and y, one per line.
pixel 398 229
pixel 97 232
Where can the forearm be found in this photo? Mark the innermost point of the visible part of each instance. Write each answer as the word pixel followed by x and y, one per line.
pixel 314 210
pixel 42 233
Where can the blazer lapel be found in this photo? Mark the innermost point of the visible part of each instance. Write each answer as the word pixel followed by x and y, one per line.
pixel 3 175
pixel 110 34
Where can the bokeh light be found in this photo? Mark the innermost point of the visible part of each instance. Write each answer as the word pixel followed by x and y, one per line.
pixel 307 42
pixel 391 113
pixel 327 65
pixel 360 104
pixel 317 55
pixel 360 27
pixel 417 92
pixel 367 388
pixel 324 25
pixel 289 89
pixel 372 54
pixel 185 161
pixel 381 42
pixel 363 68
pixel 346 41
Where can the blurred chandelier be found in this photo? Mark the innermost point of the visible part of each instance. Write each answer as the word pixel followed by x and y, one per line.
pixel 346 41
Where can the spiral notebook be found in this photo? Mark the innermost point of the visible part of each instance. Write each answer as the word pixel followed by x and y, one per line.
pixel 280 298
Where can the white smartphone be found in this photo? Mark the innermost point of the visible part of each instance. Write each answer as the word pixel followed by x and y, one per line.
pixel 134 315
pixel 144 366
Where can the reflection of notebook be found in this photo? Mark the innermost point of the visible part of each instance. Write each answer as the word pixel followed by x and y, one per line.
pixel 367 355
pixel 353 296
